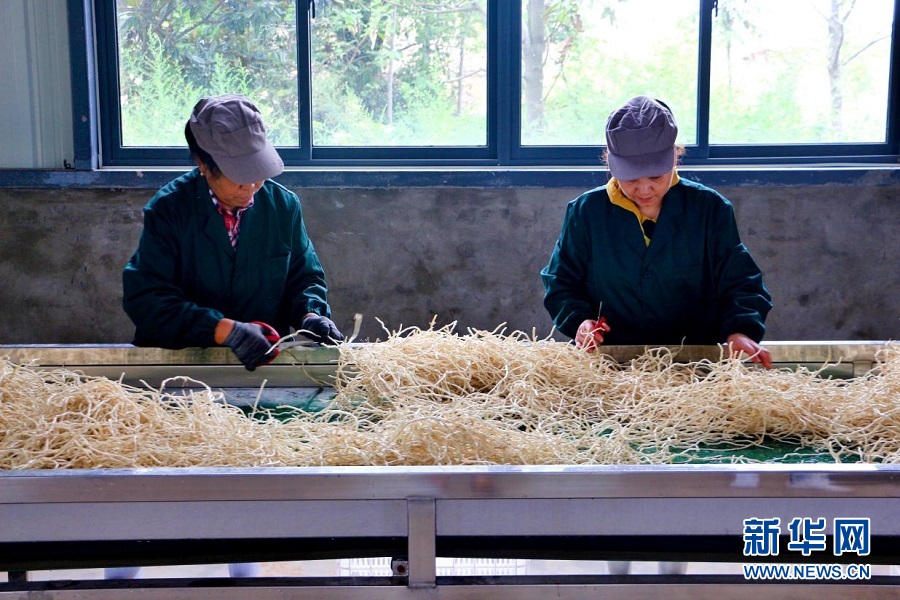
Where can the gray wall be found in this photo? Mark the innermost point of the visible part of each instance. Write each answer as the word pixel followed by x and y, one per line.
pixel 829 255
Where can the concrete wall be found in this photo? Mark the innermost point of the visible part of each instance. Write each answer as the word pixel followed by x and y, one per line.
pixel 829 254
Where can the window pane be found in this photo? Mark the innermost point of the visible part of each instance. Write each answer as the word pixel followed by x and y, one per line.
pixel 387 73
pixel 800 72
pixel 583 58
pixel 171 54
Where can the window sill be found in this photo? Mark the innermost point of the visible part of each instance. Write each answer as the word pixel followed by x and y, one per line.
pixel 875 175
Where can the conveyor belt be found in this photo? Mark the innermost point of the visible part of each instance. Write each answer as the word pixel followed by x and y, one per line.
pixel 183 516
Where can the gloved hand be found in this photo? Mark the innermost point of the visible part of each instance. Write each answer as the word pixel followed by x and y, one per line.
pixel 321 329
pixel 249 343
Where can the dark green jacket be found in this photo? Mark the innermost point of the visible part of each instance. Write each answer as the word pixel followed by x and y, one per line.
pixel 184 276
pixel 696 282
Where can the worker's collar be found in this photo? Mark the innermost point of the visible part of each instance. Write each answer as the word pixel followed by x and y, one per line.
pixel 617 197
pixel 222 210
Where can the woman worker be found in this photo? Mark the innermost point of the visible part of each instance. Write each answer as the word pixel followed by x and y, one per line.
pixel 224 248
pixel 653 259
pixel 650 258
pixel 224 257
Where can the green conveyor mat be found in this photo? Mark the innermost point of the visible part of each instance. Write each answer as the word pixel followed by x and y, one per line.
pixel 278 402
pixel 770 450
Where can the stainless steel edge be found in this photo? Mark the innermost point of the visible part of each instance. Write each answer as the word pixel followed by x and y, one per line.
pixel 75 355
pixel 459 482
pixel 815 352
pixel 316 366
pixel 605 587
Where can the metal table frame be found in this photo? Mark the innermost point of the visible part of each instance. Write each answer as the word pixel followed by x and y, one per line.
pixel 427 505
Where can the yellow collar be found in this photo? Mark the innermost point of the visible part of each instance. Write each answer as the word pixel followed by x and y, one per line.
pixel 614 191
pixel 619 199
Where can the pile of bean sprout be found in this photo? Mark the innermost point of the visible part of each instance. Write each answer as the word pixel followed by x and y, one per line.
pixel 437 397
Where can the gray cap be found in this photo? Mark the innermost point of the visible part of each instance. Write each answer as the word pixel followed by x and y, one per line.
pixel 230 128
pixel 640 138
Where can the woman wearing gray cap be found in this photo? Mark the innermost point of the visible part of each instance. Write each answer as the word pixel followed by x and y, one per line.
pixel 650 258
pixel 224 257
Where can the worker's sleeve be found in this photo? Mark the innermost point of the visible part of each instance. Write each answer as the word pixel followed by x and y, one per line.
pixel 565 276
pixel 152 296
pixel 305 286
pixel 743 299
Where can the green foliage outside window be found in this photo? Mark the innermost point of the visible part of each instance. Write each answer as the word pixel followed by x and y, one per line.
pixel 387 73
pixel 174 52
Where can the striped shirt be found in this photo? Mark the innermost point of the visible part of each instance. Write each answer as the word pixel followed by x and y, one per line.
pixel 232 218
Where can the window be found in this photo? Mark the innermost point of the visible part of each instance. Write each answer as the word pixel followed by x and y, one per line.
pixel 824 66
pixel 581 60
pixel 399 74
pixel 168 55
pixel 502 82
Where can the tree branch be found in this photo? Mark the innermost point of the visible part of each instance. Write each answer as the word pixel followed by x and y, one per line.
pixel 864 48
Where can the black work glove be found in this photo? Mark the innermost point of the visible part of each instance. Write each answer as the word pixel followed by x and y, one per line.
pixel 321 329
pixel 249 344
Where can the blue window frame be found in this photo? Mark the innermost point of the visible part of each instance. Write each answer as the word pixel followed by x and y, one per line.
pixel 503 106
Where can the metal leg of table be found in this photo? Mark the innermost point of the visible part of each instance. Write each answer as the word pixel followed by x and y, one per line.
pixel 618 567
pixel 422 542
